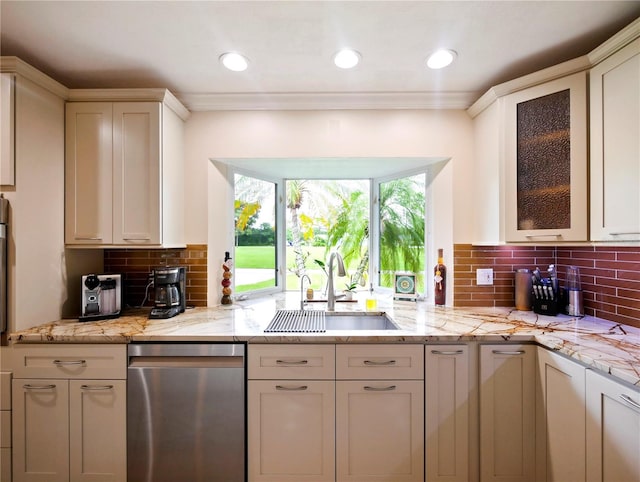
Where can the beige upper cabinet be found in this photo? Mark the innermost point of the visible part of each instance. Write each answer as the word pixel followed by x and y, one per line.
pixel 615 150
pixel 545 161
pixel 123 178
pixel 7 129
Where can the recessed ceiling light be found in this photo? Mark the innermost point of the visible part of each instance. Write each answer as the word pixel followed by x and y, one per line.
pixel 441 58
pixel 234 61
pixel 346 59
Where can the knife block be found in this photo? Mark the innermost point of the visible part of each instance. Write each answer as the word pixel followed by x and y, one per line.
pixel 546 307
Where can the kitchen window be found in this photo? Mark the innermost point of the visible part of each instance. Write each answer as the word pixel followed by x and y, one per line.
pixel 284 228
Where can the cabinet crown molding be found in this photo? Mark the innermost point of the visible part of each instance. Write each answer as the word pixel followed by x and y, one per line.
pixel 10 64
pixel 612 45
pixel 130 95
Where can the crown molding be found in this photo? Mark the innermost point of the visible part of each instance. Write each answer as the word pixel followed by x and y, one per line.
pixel 130 95
pixel 328 101
pixel 615 43
pixel 15 65
pixel 569 67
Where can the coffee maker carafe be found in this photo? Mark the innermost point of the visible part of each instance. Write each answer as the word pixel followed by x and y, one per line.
pixel 169 285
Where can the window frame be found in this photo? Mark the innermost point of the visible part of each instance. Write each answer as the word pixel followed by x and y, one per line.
pixel 280 233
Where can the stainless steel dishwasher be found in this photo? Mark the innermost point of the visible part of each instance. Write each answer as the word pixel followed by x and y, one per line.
pixel 186 412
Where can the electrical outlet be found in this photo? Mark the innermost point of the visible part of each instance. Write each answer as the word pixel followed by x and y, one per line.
pixel 484 277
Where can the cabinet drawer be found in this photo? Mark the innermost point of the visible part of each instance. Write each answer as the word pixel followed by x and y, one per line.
pixel 291 362
pixel 5 390
pixel 70 361
pixel 391 362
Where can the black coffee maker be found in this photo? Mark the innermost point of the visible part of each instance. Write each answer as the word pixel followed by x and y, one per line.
pixel 170 299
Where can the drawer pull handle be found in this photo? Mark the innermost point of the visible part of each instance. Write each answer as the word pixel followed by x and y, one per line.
pixel 629 401
pixel 380 363
pixel 88 238
pixel 550 235
pixel 441 352
pixel 622 233
pixel 292 389
pixel 96 387
pixel 380 389
pixel 69 362
pixel 292 362
pixel 502 352
pixel 38 387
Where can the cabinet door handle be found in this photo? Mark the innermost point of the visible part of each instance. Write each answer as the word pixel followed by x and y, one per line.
pixel 292 362
pixel 550 235
pixel 96 387
pixel 69 362
pixel 379 363
pixel 503 352
pixel 292 389
pixel 629 401
pixel 380 389
pixel 38 387
pixel 453 352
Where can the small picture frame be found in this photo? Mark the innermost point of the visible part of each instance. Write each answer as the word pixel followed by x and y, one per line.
pixel 404 286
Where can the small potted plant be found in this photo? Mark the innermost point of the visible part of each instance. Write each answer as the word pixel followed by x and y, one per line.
pixel 349 289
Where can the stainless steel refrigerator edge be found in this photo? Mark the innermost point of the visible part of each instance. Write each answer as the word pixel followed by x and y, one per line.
pixel 4 241
pixel 186 416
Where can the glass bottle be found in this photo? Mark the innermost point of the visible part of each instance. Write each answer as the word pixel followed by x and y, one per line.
pixel 440 280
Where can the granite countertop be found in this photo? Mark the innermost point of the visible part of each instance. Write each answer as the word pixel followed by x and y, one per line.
pixel 611 347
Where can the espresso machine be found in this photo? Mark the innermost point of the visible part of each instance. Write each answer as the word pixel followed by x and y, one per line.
pixel 170 299
pixel 101 296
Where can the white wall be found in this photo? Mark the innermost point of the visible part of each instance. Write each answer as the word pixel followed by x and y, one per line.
pixel 262 134
pixel 40 270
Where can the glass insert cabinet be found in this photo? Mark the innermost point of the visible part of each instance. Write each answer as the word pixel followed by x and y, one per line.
pixel 545 161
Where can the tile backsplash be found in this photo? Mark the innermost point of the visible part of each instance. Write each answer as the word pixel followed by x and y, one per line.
pixel 610 276
pixel 136 264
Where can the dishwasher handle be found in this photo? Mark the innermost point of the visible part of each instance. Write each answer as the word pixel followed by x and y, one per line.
pixel 186 350
pixel 186 362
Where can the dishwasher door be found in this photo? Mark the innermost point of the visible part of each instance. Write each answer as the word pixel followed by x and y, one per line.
pixel 186 413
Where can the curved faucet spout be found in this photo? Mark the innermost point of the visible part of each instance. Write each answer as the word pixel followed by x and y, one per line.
pixel 331 295
pixel 302 300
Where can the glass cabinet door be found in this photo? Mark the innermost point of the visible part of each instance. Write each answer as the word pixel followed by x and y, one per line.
pixel 546 162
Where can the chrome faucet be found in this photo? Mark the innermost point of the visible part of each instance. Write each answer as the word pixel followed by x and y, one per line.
pixel 302 300
pixel 331 295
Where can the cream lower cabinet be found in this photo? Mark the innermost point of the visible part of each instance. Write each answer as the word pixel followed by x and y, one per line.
pixel 613 430
pixel 447 413
pixel 507 413
pixel 67 425
pixel 291 413
pixel 560 431
pixel 380 413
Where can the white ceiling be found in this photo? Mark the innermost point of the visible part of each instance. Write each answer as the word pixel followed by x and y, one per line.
pixel 99 44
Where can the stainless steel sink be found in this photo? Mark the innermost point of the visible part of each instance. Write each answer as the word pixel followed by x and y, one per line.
pixel 359 321
pixel 316 321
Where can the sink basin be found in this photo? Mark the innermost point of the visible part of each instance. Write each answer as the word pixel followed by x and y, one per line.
pixel 359 321
pixel 316 321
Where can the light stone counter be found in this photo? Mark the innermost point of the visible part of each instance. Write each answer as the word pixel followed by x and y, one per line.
pixel 607 346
